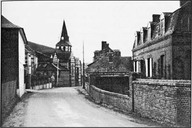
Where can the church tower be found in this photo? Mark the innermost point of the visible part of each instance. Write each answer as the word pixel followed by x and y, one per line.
pixel 64 45
pixel 63 52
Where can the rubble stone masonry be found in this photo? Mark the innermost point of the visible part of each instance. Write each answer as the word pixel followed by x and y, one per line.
pixel 119 101
pixel 165 101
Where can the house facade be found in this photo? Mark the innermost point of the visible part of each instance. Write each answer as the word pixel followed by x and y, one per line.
pixel 162 50
pixel 13 41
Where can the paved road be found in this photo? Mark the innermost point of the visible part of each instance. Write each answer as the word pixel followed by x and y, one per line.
pixel 65 107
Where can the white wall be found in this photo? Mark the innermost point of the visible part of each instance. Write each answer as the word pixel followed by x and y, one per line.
pixel 21 46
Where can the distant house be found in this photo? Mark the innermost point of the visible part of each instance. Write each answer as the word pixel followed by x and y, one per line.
pixel 108 60
pixel 13 41
pixel 31 61
pixel 109 70
pixel 163 49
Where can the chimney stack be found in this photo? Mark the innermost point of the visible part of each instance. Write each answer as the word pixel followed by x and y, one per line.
pixel 156 17
pixel 104 45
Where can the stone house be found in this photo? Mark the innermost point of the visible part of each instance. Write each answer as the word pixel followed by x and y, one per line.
pixel 108 60
pixel 162 50
pixel 13 41
pixel 109 70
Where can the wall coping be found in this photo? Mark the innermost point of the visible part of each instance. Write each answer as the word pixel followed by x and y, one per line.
pixel 110 93
pixel 160 82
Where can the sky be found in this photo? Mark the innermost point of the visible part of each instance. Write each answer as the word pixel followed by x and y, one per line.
pixel 88 22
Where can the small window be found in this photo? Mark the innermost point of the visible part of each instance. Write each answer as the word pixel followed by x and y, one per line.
pixel 67 48
pixel 110 58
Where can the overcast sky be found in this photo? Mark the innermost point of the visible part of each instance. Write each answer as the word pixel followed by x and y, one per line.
pixel 87 21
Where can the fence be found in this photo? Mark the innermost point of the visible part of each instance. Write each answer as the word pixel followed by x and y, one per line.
pixel 41 82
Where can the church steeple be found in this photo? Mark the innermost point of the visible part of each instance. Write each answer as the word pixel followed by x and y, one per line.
pixel 64 35
pixel 64 43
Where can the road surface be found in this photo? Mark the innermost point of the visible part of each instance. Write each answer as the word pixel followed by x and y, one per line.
pixel 65 107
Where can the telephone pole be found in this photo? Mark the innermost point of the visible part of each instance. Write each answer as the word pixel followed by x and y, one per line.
pixel 83 68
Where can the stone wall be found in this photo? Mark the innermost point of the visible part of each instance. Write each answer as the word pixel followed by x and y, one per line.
pixel 165 101
pixel 9 97
pixel 118 101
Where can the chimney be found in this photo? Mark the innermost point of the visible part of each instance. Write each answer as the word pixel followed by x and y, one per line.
pixel 182 2
pixel 156 17
pixel 104 45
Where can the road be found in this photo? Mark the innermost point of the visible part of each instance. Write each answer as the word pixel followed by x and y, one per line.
pixel 66 107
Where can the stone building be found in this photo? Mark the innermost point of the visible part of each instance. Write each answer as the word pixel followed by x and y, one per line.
pixel 59 62
pixel 13 41
pixel 108 60
pixel 163 49
pixel 109 70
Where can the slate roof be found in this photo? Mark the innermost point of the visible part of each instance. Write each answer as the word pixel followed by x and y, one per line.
pixel 41 48
pixel 119 64
pixel 64 34
pixel 47 67
pixel 171 24
pixel 5 23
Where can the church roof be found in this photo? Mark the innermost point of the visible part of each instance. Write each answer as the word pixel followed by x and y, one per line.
pixel 41 48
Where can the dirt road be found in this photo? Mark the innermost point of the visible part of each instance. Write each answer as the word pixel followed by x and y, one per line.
pixel 65 107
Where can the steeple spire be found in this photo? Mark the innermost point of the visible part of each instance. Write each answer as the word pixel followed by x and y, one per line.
pixel 64 35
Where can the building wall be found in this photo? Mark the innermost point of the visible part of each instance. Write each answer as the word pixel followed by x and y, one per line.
pixel 168 45
pixel 165 101
pixel 9 69
pixel 63 80
pixel 155 51
pixel 21 62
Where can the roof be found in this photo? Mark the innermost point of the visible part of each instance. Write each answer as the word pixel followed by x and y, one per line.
pixel 47 67
pixel 41 48
pixel 63 56
pixel 5 23
pixel 63 43
pixel 64 40
pixel 171 25
pixel 119 64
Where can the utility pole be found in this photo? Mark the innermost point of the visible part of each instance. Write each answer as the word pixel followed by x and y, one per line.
pixel 83 68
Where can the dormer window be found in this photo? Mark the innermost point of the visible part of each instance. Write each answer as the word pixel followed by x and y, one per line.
pixel 62 38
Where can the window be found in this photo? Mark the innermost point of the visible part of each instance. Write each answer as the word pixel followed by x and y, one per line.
pixel 148 66
pixel 162 66
pixel 110 58
pixel 67 48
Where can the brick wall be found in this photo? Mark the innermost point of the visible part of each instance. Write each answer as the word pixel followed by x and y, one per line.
pixel 165 101
pixel 119 101
pixel 9 97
